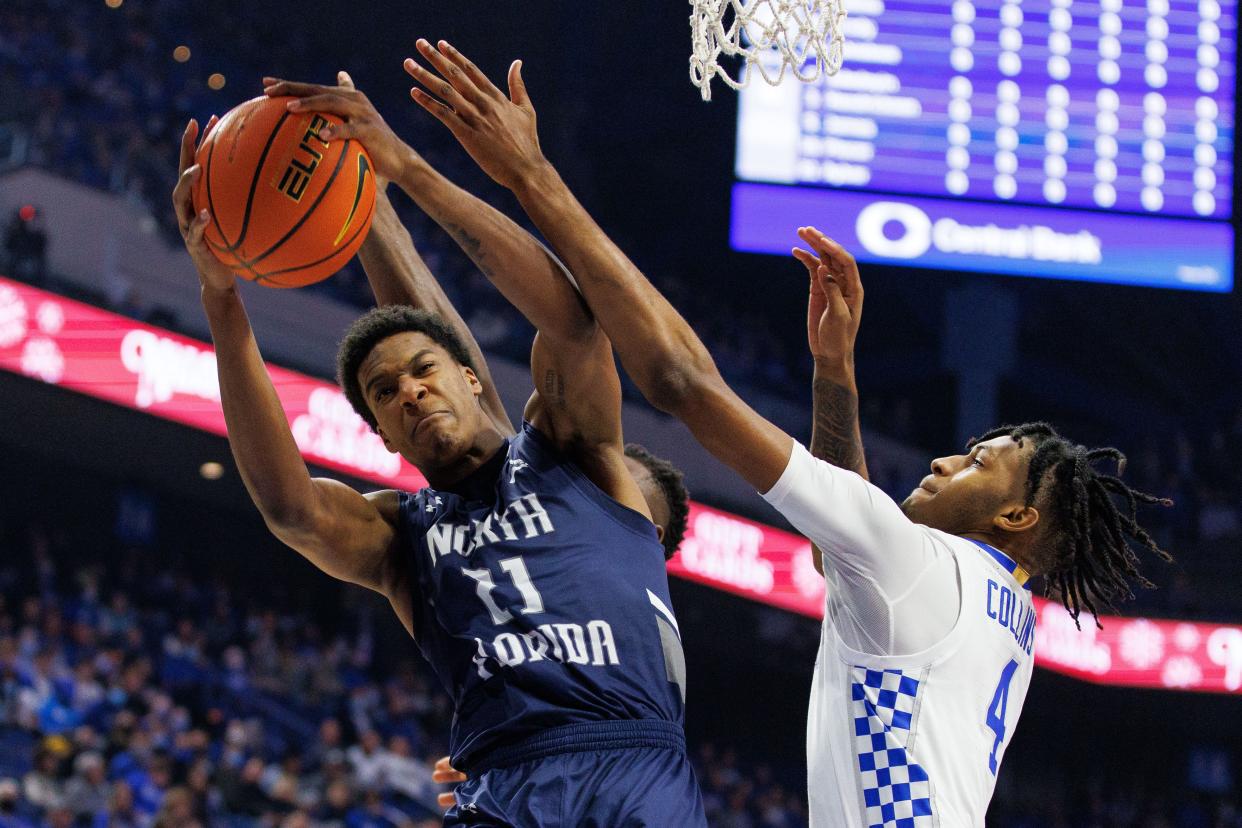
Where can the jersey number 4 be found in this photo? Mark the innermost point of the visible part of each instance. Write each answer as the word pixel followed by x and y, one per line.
pixel 516 569
pixel 996 711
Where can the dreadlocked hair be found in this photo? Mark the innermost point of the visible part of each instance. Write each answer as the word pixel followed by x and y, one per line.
pixel 1092 559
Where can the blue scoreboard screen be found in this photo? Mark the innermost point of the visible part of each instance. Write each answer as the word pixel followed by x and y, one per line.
pixel 1057 138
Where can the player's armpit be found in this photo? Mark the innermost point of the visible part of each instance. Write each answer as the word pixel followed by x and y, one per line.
pixel 348 535
pixel 858 526
pixel 577 404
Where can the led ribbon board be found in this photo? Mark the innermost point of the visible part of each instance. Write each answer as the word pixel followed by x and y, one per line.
pixel 78 347
pixel 1087 141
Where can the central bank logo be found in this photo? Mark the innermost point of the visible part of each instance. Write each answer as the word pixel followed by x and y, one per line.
pixel 894 230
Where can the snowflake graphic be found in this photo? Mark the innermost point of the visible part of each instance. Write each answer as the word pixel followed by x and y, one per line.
pixel 12 317
pixel 1186 637
pixel 1181 671
pixel 42 358
pixel 1142 644
pixel 51 318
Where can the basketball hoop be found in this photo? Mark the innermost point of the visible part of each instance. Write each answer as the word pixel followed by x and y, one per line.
pixel 801 36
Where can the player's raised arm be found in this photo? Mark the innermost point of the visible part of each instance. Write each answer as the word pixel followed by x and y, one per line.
pixel 577 398
pixel 658 348
pixel 834 310
pixel 342 532
pixel 578 394
pixel 510 257
pixel 399 276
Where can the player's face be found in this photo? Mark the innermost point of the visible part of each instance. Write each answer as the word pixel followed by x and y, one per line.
pixel 966 492
pixel 425 402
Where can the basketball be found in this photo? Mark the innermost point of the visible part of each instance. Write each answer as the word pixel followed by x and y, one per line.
pixel 287 208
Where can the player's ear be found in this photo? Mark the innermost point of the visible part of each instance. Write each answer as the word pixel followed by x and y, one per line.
pixel 476 385
pixel 1017 518
pixel 659 533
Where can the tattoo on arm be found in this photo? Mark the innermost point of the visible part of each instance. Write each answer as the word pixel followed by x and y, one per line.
pixel 835 437
pixel 554 386
pixel 471 246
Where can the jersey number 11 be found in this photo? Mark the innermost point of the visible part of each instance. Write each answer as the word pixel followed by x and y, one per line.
pixel 516 569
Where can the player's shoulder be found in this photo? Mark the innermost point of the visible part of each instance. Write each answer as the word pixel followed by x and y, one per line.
pixel 980 557
pixel 967 552
pixel 533 448
pixel 955 542
pixel 389 503
pixel 414 510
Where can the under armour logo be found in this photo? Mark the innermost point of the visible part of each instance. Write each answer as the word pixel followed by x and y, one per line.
pixel 515 466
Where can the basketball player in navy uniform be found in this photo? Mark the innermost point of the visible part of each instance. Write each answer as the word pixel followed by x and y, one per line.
pixel 529 571
pixel 398 275
pixel 927 644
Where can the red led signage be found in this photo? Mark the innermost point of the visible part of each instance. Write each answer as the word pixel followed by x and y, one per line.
pixel 91 351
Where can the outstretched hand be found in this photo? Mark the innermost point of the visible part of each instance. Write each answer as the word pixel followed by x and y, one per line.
pixel 497 130
pixel 834 307
pixel 445 774
pixel 212 273
pixel 361 121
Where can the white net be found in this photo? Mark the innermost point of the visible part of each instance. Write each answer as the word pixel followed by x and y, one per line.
pixel 773 37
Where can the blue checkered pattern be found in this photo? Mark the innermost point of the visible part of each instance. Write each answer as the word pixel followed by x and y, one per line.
pixel 896 791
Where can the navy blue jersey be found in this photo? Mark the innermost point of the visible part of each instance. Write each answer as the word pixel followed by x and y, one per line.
pixel 540 602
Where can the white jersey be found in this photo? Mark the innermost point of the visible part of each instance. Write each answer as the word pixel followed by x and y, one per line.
pixel 924 661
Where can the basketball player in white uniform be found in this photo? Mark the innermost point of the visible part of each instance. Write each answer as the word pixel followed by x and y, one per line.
pixel 926 649
pixel 925 656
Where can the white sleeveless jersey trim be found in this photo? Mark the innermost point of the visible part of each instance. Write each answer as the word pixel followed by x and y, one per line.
pixel 908 740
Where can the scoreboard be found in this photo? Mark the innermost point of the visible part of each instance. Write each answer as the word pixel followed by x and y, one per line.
pixel 1075 139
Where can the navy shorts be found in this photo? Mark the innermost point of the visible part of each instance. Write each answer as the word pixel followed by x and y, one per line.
pixel 592 782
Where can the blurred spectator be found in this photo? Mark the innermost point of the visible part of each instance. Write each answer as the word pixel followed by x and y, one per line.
pixel 41 785
pixel 337 804
pixel 373 813
pixel 10 795
pixel 177 811
pixel 406 774
pixel 25 246
pixel 330 741
pixel 86 793
pixel 121 812
pixel 370 760
pixel 241 791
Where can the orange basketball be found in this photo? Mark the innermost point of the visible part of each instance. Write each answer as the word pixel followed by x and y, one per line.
pixel 287 208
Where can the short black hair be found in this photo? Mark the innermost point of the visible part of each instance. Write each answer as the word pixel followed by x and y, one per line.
pixel 673 487
pixel 1091 561
pixel 378 324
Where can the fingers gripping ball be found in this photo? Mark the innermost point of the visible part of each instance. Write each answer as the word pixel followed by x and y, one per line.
pixel 287 209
